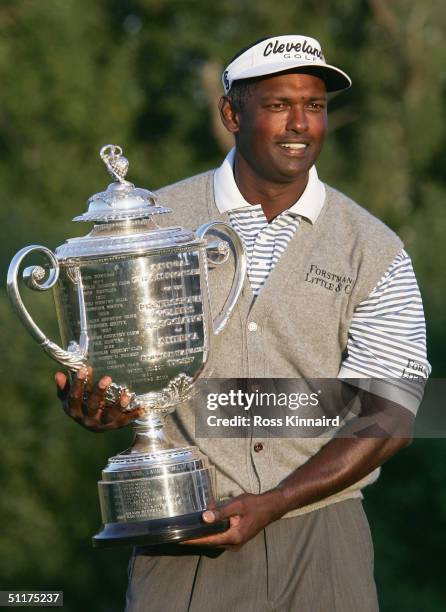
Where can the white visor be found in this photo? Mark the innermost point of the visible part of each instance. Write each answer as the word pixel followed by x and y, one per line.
pixel 283 53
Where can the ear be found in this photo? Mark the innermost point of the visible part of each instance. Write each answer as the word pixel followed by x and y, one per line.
pixel 229 116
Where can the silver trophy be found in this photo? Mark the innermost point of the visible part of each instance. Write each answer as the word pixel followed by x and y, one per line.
pixel 132 301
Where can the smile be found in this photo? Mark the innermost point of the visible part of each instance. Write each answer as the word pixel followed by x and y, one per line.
pixel 294 146
pixel 294 149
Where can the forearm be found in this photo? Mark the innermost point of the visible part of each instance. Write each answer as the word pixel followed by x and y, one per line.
pixel 361 446
pixel 339 464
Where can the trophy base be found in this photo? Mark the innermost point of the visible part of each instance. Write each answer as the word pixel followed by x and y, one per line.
pixel 157 531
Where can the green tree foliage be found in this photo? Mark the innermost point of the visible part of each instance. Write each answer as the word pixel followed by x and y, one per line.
pixel 77 75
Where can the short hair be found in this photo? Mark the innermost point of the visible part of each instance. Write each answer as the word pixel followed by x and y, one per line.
pixel 240 92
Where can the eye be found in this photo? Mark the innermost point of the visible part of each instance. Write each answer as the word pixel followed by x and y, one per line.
pixel 277 106
pixel 316 106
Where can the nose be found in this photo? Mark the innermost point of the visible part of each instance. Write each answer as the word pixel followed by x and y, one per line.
pixel 297 119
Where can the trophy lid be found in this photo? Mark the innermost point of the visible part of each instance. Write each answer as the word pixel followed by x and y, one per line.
pixel 124 217
pixel 121 200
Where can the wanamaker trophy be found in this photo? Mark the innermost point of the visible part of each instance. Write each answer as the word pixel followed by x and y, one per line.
pixel 132 302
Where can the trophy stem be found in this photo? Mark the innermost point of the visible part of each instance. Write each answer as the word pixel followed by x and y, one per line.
pixel 150 435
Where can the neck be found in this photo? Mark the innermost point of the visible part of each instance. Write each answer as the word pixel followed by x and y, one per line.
pixel 273 197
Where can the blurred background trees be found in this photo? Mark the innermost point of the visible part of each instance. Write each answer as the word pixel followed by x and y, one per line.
pixel 144 74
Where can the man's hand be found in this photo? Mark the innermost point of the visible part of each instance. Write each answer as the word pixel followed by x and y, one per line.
pixel 85 402
pixel 248 514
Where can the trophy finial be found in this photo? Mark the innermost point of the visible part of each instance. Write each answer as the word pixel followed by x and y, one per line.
pixel 121 201
pixel 116 163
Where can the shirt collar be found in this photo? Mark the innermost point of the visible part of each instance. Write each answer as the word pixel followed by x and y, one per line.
pixel 228 196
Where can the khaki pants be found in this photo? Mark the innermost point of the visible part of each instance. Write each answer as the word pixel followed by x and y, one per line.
pixel 318 562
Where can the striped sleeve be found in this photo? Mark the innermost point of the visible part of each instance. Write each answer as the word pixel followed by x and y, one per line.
pixel 387 336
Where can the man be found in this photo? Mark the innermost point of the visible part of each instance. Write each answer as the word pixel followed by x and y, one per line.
pixel 331 293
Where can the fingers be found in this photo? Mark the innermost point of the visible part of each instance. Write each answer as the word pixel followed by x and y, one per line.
pixel 124 418
pixel 96 401
pixel 111 411
pixel 209 516
pixel 75 398
pixel 230 539
pixel 63 385
pixel 89 380
pixel 232 509
pixel 114 417
pixel 215 540
pixel 86 404
pixel 125 399
pixel 61 380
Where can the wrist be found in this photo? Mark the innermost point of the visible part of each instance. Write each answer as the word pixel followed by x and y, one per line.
pixel 276 502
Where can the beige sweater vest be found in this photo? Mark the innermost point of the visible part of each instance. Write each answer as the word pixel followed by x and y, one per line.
pixel 303 314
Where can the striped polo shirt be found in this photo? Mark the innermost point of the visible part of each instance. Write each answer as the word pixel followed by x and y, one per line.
pixel 387 332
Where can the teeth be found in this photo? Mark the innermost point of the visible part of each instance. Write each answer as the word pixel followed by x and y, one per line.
pixel 294 145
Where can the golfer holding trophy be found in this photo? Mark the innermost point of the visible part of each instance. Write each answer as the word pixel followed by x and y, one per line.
pixel 132 303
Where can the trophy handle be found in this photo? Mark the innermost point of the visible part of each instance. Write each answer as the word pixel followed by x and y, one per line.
pixel 217 253
pixel 75 357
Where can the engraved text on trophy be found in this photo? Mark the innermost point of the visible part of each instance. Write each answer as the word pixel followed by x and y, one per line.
pixel 144 317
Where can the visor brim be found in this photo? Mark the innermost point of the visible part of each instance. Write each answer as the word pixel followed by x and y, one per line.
pixel 334 78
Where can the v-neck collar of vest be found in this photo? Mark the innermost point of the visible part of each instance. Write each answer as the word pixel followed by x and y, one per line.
pixel 291 263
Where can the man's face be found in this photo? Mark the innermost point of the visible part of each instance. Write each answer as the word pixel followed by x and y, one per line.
pixel 281 129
